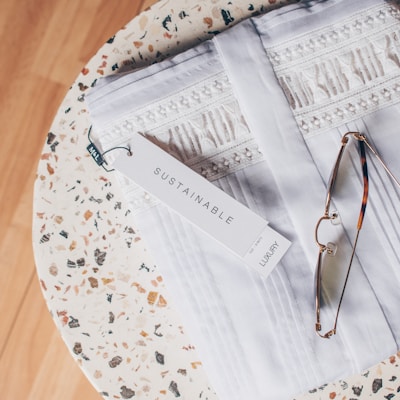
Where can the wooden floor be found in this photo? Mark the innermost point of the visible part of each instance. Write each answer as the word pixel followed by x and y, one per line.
pixel 44 44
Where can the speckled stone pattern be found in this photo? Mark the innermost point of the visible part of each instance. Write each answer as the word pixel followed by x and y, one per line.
pixel 104 292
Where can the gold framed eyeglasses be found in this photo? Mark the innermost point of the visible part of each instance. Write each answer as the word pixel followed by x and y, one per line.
pixel 330 248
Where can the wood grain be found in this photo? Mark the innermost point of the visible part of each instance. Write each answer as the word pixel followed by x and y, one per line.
pixel 44 45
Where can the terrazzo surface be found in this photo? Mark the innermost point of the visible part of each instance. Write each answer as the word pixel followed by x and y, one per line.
pixel 104 292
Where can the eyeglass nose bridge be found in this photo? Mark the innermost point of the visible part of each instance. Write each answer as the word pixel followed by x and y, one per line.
pixel 326 335
pixel 330 247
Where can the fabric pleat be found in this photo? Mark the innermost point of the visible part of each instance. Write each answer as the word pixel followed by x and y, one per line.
pixel 261 116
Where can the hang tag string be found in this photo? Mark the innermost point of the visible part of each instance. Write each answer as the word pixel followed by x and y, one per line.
pixel 98 157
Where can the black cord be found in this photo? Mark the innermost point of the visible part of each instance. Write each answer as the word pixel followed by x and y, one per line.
pixel 98 157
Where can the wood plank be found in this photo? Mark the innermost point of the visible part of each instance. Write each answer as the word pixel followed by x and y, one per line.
pixel 146 4
pixel 16 264
pixel 55 58
pixel 45 43
pixel 110 17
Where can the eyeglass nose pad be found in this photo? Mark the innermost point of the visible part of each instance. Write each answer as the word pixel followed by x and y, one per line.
pixel 331 249
pixel 335 218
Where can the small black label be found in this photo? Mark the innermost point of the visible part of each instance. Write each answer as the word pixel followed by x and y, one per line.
pixel 95 153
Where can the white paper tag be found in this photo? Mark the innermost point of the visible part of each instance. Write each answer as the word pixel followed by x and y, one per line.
pixel 203 204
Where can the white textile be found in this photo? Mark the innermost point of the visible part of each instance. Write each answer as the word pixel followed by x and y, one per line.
pixel 260 110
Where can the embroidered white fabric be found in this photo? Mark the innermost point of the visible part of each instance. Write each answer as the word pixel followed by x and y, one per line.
pixel 200 124
pixel 256 336
pixel 343 71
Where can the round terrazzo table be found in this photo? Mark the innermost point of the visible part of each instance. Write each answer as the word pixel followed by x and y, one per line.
pixel 105 294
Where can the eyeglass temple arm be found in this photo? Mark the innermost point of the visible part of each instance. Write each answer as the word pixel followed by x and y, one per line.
pixel 364 202
pixel 363 159
pixel 334 174
pixel 364 167
pixel 374 152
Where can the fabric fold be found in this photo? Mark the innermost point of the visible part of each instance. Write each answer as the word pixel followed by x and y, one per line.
pixel 226 109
